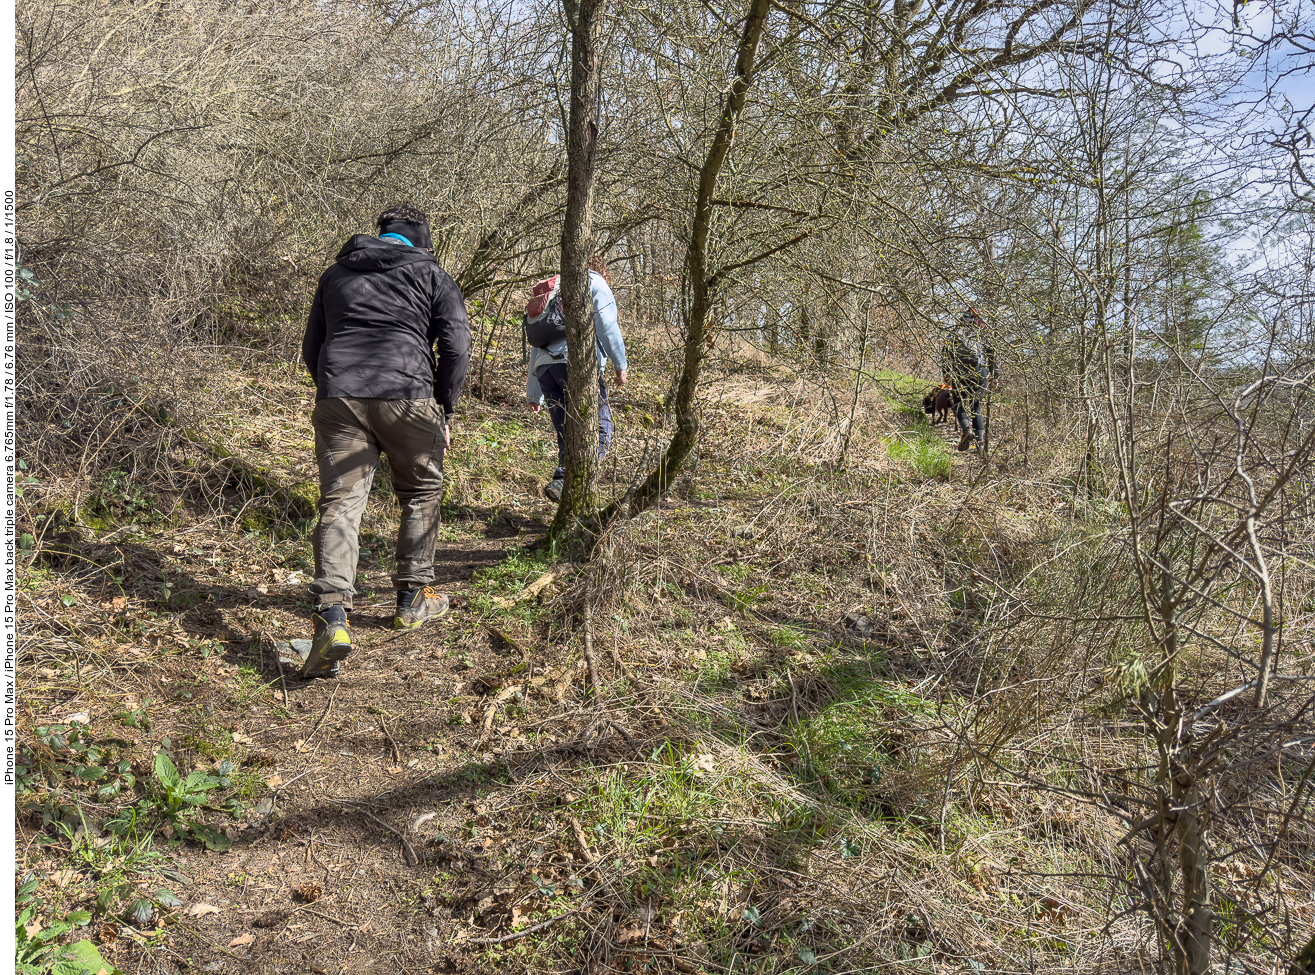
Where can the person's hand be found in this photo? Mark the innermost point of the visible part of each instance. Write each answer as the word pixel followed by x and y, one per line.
pixel 447 434
pixel 534 407
pixel 622 376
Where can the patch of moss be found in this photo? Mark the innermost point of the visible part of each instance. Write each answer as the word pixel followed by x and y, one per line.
pixel 216 748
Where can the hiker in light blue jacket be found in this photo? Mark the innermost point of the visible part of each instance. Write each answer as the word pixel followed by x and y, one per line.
pixel 547 379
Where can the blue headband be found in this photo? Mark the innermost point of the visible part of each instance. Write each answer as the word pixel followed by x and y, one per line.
pixel 397 237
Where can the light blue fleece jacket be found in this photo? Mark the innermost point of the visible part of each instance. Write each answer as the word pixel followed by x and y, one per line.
pixel 611 344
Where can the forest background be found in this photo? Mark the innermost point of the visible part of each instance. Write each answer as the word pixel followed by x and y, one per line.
pixel 844 699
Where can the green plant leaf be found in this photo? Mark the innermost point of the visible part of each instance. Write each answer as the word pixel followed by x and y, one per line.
pixel 211 837
pixel 167 898
pixel 80 958
pixel 90 773
pixel 200 782
pixel 215 840
pixel 166 772
pixel 141 912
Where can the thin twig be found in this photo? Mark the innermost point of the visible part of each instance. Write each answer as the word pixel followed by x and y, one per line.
pixel 503 695
pixel 310 854
pixel 306 741
pixel 589 652
pixel 397 752
pixel 329 917
pixel 283 785
pixel 578 830
pixel 411 858
pixel 622 732
pixel 530 930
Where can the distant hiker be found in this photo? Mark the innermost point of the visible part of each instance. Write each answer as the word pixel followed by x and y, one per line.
pixel 545 331
pixel 969 365
pixel 378 313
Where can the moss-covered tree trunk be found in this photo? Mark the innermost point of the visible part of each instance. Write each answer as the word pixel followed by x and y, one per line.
pixel 579 504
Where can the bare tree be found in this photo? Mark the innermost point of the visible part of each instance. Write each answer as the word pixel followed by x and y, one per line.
pixel 579 502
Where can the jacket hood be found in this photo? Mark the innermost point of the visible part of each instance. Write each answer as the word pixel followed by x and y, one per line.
pixel 366 253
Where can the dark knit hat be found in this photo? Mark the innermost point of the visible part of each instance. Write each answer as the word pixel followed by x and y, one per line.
pixel 409 221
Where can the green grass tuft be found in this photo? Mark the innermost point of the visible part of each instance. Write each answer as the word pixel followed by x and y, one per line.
pixel 924 450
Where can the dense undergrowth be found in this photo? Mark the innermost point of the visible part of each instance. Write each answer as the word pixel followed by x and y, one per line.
pixel 781 752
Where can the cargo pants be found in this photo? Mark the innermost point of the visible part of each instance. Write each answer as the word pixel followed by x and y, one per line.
pixel 349 436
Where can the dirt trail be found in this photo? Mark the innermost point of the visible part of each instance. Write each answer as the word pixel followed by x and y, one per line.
pixel 372 751
pixel 345 761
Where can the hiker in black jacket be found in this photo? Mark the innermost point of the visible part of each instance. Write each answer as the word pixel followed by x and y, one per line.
pixel 969 365
pixel 380 312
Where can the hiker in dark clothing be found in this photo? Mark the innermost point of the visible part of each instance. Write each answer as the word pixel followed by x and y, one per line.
pixel 378 313
pixel 969 365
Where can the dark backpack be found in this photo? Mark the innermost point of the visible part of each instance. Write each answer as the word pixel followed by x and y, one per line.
pixel 545 317
pixel 976 353
pixel 969 354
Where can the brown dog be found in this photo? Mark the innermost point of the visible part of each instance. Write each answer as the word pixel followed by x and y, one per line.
pixel 937 404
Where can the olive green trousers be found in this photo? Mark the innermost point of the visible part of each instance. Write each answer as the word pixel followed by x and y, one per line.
pixel 350 434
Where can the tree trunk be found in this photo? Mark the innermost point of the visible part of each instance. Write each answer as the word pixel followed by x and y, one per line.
pixel 579 496
pixel 858 386
pixel 701 284
pixel 1192 937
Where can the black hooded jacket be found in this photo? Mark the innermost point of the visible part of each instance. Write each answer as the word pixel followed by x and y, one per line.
pixel 967 359
pixel 378 313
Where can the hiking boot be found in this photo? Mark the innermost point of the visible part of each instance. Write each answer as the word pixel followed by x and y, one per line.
pixel 414 606
pixel 967 440
pixel 331 644
pixel 553 489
